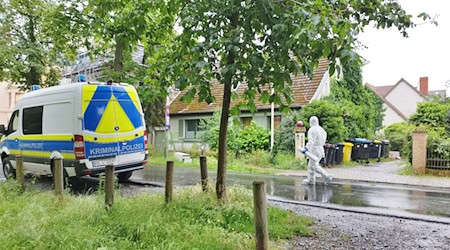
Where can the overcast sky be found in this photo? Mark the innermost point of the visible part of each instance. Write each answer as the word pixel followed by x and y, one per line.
pixel 425 53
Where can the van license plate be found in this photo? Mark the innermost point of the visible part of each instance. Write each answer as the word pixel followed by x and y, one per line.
pixel 103 162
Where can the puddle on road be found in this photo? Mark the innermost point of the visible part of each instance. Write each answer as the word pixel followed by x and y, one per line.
pixel 360 194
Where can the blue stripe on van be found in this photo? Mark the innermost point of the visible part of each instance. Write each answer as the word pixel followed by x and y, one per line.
pixel 95 150
pixel 40 145
pixel 57 145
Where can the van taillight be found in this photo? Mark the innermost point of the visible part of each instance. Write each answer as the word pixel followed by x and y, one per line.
pixel 146 141
pixel 79 147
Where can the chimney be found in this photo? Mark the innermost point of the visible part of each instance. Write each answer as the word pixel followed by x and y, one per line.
pixel 423 85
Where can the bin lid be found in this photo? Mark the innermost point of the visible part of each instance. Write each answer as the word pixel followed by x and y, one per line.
pixel 377 141
pixel 348 144
pixel 362 140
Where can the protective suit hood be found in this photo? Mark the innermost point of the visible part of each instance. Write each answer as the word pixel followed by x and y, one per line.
pixel 313 121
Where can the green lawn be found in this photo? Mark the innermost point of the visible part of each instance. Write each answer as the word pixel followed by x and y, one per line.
pixel 194 220
pixel 257 162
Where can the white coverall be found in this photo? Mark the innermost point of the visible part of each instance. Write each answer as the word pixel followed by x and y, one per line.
pixel 316 140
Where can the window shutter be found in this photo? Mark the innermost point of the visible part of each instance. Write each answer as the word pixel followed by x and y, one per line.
pixel 181 128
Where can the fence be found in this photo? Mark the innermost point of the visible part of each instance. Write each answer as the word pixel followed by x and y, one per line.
pixel 438 156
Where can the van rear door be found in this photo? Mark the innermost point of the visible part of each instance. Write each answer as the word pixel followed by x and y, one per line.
pixel 99 124
pixel 130 124
pixel 113 126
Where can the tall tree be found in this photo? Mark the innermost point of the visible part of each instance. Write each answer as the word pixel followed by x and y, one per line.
pixel 24 48
pixel 263 42
pixel 115 29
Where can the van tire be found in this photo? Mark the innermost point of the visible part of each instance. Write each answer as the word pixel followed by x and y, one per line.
pixel 124 176
pixel 8 170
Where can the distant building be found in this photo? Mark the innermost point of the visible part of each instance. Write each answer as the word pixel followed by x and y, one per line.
pixel 400 100
pixel 9 95
pixel 83 66
pixel 185 117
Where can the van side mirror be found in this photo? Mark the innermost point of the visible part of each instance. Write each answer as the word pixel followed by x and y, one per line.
pixel 2 129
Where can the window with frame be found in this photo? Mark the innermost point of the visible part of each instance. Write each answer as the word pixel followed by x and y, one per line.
pixel 192 129
pixel 32 121
pixel 246 121
pixel 276 121
pixel 13 123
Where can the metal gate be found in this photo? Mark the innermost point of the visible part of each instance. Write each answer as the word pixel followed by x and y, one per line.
pixel 438 156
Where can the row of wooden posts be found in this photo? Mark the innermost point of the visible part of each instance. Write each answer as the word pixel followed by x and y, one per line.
pixel 259 193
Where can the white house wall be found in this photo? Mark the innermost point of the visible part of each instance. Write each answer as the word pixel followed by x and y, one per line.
pixel 404 98
pixel 390 116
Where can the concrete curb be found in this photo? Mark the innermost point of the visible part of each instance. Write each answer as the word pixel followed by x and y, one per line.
pixel 368 211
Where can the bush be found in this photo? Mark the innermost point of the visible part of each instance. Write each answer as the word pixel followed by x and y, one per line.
pixel 239 140
pixel 397 134
pixel 330 118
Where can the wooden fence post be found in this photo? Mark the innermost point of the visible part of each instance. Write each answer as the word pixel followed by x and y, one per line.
pixel 109 187
pixel 58 177
pixel 169 181
pixel 19 172
pixel 204 173
pixel 260 205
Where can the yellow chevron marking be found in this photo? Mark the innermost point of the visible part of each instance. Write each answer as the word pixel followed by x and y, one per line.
pixel 108 120
pixel 87 93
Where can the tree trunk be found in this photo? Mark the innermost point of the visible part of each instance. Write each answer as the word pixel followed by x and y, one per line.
pixel 222 159
pixel 118 55
pixel 34 78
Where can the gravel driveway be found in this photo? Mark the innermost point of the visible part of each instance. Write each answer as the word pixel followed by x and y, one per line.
pixel 346 230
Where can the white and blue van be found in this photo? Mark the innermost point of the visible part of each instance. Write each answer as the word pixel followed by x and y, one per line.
pixel 88 125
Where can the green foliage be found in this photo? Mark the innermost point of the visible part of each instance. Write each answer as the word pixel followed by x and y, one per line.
pixel 27 54
pixel 330 118
pixel 264 42
pixel 252 138
pixel 194 220
pixel 435 115
pixel 362 110
pixel 240 140
pixel 284 139
pixel 398 134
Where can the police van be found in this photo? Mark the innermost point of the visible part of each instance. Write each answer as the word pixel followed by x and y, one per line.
pixel 88 125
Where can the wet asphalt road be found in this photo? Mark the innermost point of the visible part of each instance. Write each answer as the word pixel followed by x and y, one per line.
pixel 340 193
pixel 398 198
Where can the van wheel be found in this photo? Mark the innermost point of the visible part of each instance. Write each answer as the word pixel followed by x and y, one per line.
pixel 8 169
pixel 124 176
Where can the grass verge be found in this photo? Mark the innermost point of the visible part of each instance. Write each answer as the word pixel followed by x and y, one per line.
pixel 256 162
pixel 194 220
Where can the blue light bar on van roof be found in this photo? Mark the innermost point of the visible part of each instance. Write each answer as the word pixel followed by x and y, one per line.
pixel 81 78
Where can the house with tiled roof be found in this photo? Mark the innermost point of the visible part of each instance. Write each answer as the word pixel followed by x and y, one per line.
pixel 400 100
pixel 185 117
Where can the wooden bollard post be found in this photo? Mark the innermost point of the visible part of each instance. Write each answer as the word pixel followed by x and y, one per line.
pixel 260 205
pixel 58 177
pixel 19 172
pixel 169 181
pixel 204 173
pixel 109 187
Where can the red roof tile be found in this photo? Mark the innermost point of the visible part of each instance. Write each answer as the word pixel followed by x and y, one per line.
pixel 303 89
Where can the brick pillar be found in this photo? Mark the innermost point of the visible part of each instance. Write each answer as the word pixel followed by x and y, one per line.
pixel 419 151
pixel 299 141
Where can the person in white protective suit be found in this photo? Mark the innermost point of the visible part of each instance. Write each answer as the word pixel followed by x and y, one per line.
pixel 316 139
